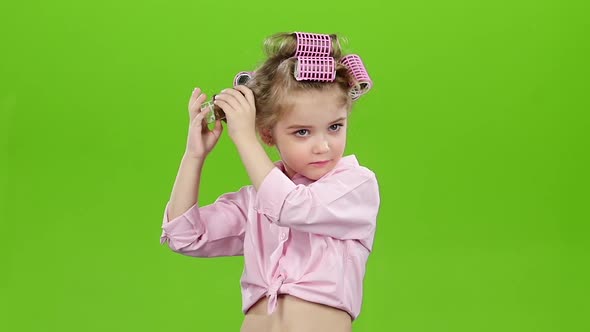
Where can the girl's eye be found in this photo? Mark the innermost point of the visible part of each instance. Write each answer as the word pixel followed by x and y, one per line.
pixel 335 127
pixel 302 132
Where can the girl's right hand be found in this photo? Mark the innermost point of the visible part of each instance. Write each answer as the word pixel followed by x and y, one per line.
pixel 200 139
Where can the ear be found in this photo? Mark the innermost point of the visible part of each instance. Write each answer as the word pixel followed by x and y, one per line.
pixel 266 136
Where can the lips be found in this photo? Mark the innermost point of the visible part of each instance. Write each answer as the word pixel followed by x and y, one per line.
pixel 320 163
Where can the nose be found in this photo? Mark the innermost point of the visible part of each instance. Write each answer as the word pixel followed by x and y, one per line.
pixel 321 146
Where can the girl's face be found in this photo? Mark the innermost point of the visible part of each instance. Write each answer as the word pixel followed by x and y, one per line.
pixel 311 137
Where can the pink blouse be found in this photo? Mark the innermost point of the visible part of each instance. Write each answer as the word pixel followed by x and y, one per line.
pixel 299 237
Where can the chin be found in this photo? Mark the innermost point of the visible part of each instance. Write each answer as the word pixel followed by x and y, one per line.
pixel 317 174
pixel 314 177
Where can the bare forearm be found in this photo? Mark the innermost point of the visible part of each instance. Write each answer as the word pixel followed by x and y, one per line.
pixel 185 192
pixel 255 159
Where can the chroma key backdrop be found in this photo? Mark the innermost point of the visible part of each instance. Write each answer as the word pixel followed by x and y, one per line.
pixel 476 127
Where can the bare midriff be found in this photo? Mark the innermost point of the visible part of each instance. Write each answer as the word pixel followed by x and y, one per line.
pixel 294 314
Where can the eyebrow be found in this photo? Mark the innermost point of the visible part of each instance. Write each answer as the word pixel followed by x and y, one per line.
pixel 303 126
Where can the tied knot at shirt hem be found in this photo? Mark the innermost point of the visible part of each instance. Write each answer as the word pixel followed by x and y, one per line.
pixel 273 293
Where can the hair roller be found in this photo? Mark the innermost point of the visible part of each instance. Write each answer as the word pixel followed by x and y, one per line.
pixel 362 83
pixel 313 44
pixel 322 69
pixel 243 77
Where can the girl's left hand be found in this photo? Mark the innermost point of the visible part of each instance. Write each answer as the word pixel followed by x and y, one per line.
pixel 240 112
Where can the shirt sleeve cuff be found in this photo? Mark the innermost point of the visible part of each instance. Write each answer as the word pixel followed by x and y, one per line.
pixel 272 193
pixel 188 222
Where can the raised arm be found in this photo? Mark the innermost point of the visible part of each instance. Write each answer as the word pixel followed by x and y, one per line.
pixel 343 205
pixel 200 142
pixel 216 230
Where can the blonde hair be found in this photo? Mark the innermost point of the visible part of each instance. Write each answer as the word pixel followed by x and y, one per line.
pixel 274 84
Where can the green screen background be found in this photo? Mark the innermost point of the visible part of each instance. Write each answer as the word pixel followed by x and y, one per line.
pixel 476 128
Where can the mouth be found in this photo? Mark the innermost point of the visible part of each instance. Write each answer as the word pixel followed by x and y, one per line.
pixel 320 163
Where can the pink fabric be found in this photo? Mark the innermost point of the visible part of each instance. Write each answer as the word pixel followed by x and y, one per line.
pixel 298 237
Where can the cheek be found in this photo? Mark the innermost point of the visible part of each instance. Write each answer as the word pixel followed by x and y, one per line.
pixel 339 142
pixel 293 149
pixel 284 145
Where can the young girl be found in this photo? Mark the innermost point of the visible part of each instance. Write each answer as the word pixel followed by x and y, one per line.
pixel 306 224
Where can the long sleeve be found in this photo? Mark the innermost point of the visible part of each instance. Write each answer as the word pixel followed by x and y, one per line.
pixel 343 205
pixel 214 230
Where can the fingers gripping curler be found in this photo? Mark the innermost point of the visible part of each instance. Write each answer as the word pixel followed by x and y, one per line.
pixel 215 112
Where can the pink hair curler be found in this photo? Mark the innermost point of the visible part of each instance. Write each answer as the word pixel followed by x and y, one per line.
pixel 313 44
pixel 243 77
pixel 321 69
pixel 362 82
